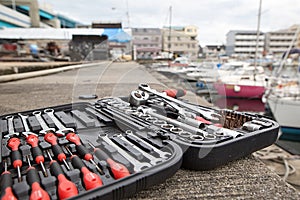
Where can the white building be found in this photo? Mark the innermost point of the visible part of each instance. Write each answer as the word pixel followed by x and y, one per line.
pixel 243 43
pixel 181 41
pixel 147 42
pixel 278 42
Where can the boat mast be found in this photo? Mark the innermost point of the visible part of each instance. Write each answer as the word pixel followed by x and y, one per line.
pixel 170 22
pixel 257 37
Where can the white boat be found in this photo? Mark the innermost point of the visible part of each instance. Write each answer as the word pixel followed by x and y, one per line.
pixel 283 96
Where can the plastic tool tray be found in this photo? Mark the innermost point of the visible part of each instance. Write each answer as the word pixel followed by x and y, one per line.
pixel 115 147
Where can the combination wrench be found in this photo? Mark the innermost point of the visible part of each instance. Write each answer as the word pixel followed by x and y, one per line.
pixel 62 130
pixel 45 127
pixel 206 113
pixel 153 160
pixel 162 154
pixel 137 165
pixel 11 130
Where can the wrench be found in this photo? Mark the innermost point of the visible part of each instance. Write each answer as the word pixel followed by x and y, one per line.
pixel 25 125
pixel 206 113
pixel 11 130
pixel 62 130
pixel 153 160
pixel 45 127
pixel 138 166
pixel 162 154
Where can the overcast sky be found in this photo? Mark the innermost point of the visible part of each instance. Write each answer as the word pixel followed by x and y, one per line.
pixel 214 18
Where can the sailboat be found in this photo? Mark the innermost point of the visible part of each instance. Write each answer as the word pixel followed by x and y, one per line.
pixel 283 99
pixel 246 82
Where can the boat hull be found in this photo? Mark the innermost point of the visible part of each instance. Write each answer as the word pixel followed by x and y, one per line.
pixel 286 112
pixel 241 91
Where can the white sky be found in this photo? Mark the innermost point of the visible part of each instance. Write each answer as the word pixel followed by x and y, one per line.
pixel 214 18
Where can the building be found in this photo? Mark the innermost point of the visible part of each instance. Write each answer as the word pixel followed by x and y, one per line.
pixel 146 42
pixel 31 14
pixel 278 42
pixel 181 41
pixel 243 43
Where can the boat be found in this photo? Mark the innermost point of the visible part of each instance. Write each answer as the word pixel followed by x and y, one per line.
pixel 283 100
pixel 246 82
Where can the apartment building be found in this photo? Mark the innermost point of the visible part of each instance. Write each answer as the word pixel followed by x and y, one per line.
pixel 240 43
pixel 277 42
pixel 181 41
pixel 146 42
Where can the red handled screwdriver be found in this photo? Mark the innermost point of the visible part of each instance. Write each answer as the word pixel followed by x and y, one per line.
pixel 33 179
pixel 65 188
pixel 118 170
pixel 82 150
pixel 37 153
pixel 6 183
pixel 90 179
pixel 16 157
pixel 56 149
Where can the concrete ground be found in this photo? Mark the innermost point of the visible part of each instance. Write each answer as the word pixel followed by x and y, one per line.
pixel 246 178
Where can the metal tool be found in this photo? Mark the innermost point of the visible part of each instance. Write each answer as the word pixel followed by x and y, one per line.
pixel 206 113
pixel 65 188
pixel 32 139
pixel 11 130
pixel 45 128
pixel 52 139
pixel 161 153
pixel 153 160
pixel 61 128
pixel 33 179
pixel 186 127
pixel 137 165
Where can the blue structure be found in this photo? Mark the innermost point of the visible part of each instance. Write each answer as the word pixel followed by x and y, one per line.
pixel 117 35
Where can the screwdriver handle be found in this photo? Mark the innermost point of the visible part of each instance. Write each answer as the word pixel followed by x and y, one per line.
pixel 81 149
pixel 37 192
pixel 90 179
pixel 6 183
pixel 56 149
pixel 16 157
pixel 37 153
pixel 65 187
pixel 118 170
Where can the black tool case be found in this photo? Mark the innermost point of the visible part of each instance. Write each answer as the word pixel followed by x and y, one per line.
pixel 156 130
pixel 89 124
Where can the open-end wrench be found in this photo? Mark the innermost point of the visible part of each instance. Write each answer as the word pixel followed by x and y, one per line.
pixel 153 160
pixel 208 114
pixel 25 125
pixel 162 154
pixel 45 127
pixel 11 130
pixel 137 165
pixel 62 130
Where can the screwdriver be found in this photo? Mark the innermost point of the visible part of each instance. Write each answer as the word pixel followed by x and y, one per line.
pixel 82 150
pixel 65 188
pixel 36 151
pixel 6 183
pixel 56 149
pixel 90 179
pixel 33 179
pixel 16 157
pixel 118 170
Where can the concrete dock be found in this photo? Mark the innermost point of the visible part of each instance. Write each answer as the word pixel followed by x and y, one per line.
pixel 246 178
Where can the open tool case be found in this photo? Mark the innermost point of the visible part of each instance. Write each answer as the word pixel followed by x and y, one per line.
pixel 115 147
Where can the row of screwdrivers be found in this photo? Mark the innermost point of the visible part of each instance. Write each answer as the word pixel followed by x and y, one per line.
pixel 65 188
